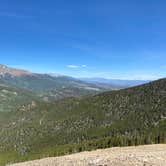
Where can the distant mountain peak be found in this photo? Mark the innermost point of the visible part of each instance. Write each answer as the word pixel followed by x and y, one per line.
pixel 4 70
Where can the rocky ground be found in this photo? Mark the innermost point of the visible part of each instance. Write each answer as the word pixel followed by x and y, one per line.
pixel 148 155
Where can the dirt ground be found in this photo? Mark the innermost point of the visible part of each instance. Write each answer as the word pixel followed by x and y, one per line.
pixel 148 155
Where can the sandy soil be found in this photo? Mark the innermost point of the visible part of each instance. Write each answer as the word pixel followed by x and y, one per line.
pixel 149 155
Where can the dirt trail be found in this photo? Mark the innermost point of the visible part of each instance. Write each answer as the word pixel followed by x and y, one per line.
pixel 148 155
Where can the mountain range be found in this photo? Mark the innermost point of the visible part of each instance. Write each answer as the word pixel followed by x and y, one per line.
pixel 31 127
pixel 50 87
pixel 47 87
pixel 115 82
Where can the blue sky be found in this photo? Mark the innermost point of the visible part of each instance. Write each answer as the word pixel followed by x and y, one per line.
pixel 123 39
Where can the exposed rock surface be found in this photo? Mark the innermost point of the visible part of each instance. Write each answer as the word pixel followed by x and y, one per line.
pixel 12 71
pixel 149 155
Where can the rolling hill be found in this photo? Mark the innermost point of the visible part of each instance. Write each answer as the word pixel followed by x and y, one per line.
pixel 130 116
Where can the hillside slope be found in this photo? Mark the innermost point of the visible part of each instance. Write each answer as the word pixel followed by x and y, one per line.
pixel 127 117
pixel 12 98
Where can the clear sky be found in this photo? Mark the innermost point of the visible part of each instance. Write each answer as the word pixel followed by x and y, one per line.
pixel 85 38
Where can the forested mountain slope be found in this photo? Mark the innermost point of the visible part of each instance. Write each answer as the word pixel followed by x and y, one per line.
pixel 126 117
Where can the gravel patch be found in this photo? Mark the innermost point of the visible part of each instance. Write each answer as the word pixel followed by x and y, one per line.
pixel 147 155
